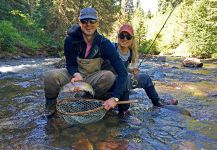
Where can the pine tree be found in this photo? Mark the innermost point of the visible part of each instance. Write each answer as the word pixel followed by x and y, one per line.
pixel 203 28
pixel 139 25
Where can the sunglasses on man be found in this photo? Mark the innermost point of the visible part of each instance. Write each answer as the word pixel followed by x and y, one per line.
pixel 123 36
pixel 86 21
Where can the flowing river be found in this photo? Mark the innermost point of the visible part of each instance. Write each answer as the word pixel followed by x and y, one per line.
pixel 24 126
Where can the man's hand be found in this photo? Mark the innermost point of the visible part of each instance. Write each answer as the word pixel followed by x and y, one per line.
pixel 76 77
pixel 109 103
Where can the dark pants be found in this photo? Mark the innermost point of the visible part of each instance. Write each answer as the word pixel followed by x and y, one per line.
pixel 144 81
pixel 140 80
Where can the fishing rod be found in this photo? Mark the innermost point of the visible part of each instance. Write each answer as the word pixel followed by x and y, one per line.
pixel 158 34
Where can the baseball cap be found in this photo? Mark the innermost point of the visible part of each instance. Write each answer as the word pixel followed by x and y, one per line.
pixel 127 28
pixel 88 13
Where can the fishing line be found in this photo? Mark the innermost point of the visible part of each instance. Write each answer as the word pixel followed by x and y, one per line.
pixel 158 33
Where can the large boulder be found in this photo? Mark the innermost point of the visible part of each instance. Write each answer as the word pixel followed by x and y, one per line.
pixel 192 62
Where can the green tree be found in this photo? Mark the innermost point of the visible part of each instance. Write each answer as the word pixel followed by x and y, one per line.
pixel 167 5
pixel 203 28
pixel 149 15
pixel 139 25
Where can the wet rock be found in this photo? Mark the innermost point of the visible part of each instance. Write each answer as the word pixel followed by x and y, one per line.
pixel 174 67
pixel 25 84
pixel 213 94
pixel 192 62
pixel 131 120
pixel 56 122
pixel 112 145
pixel 159 75
pixel 144 103
pixel 16 57
pixel 82 144
pixel 24 55
pixel 178 109
pixel 119 145
pixel 174 85
pixel 166 65
pixel 161 59
pixel 186 145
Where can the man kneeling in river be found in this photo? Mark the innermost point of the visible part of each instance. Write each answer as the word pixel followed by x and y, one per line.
pixel 85 50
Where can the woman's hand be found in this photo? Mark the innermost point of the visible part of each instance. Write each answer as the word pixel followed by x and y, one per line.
pixel 134 70
pixel 76 77
pixel 109 103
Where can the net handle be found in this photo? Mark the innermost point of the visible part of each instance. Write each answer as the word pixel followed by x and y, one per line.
pixel 127 102
pixel 96 109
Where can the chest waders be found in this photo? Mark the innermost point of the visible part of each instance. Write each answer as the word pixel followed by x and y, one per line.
pixel 89 66
pixel 100 80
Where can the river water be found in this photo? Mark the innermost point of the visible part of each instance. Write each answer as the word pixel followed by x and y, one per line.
pixel 24 126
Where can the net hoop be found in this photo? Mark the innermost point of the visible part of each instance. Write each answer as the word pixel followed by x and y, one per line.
pixel 68 100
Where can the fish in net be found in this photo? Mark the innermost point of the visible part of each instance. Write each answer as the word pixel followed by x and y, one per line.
pixel 83 111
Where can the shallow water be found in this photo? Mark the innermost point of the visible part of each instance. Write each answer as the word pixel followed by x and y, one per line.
pixel 23 125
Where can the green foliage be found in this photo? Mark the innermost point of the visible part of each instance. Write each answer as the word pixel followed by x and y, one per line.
pixel 10 38
pixel 148 47
pixel 57 16
pixel 214 55
pixel 191 28
pixel 42 24
pixel 139 25
pixel 39 24
pixel 61 54
pixel 202 30
pixel 30 29
pixel 166 5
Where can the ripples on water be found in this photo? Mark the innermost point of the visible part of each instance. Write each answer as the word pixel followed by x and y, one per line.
pixel 23 125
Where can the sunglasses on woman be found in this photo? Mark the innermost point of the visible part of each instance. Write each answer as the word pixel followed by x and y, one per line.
pixel 123 36
pixel 86 21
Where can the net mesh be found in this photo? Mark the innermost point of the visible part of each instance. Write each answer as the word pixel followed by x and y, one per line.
pixel 81 111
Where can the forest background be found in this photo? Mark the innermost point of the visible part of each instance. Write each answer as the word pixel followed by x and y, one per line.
pixel 39 26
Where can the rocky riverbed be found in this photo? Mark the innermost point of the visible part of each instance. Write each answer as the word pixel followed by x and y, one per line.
pixel 24 126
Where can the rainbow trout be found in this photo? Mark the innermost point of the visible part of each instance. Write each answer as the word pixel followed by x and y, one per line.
pixel 78 86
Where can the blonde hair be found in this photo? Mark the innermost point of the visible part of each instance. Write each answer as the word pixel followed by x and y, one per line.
pixel 134 49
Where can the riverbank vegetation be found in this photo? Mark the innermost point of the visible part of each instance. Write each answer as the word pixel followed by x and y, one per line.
pixel 39 26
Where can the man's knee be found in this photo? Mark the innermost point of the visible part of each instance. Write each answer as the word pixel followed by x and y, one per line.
pixel 107 80
pixel 56 76
pixel 53 80
pixel 47 76
pixel 109 77
pixel 104 83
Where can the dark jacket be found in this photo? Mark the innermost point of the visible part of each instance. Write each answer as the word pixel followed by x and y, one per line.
pixel 101 47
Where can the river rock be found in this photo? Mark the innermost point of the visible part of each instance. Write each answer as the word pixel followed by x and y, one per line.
pixel 112 145
pixel 161 59
pixel 213 94
pixel 192 62
pixel 177 109
pixel 187 145
pixel 82 144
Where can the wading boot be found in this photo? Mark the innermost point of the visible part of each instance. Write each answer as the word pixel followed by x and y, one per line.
pixel 50 107
pixel 163 102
